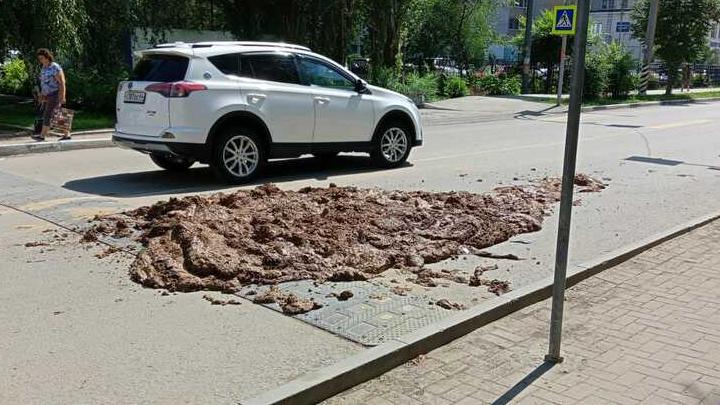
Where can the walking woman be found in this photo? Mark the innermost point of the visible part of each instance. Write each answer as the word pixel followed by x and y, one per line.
pixel 52 91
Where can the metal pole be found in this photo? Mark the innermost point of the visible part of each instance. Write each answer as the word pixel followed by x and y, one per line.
pixel 561 78
pixel 528 47
pixel 649 45
pixel 566 198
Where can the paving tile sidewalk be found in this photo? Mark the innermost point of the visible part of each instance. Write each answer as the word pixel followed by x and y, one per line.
pixel 646 331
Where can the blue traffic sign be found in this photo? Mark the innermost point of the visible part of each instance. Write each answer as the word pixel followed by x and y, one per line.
pixel 565 17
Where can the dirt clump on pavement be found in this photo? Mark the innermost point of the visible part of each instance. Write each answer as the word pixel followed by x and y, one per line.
pixel 497 287
pixel 289 303
pixel 343 295
pixel 36 244
pixel 588 184
pixel 445 304
pixel 477 280
pixel 217 301
pixel 267 236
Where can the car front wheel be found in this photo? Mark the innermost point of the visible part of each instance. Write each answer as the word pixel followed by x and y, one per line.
pixel 239 155
pixel 171 162
pixel 392 145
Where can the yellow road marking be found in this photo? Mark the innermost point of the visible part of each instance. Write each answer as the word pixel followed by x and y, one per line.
pixel 680 124
pixel 39 205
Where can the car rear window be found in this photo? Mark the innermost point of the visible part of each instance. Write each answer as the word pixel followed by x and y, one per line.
pixel 160 68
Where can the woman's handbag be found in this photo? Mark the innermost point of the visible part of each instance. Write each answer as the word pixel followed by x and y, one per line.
pixel 62 120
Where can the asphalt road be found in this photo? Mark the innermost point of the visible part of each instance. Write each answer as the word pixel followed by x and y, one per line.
pixel 73 328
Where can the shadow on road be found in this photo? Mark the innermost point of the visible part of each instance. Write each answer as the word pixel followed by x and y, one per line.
pixel 668 162
pixel 201 178
pixel 518 388
pixel 529 114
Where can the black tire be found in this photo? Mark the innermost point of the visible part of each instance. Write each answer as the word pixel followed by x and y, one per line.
pixel 171 162
pixel 395 158
pixel 233 171
pixel 325 156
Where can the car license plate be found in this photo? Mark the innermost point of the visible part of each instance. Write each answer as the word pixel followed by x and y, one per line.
pixel 135 96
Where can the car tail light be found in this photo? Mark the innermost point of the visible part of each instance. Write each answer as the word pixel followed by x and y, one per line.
pixel 178 89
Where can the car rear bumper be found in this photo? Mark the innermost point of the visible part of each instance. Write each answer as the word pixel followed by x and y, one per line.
pixel 194 151
pixel 140 145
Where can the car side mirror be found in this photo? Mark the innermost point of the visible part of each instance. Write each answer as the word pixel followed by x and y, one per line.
pixel 361 87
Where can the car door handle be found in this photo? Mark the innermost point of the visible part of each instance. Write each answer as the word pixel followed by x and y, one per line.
pixel 321 100
pixel 255 97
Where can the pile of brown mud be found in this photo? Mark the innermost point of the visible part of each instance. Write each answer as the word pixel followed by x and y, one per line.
pixel 268 236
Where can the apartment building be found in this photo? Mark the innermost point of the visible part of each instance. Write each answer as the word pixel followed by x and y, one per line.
pixel 611 19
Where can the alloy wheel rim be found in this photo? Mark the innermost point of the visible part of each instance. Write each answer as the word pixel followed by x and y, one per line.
pixel 393 144
pixel 240 156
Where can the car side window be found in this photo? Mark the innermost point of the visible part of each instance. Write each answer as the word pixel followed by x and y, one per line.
pixel 229 64
pixel 318 73
pixel 275 67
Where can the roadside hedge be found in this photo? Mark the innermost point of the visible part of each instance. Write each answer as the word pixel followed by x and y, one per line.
pixel 14 77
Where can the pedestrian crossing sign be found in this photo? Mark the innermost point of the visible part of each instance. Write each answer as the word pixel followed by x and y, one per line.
pixel 565 18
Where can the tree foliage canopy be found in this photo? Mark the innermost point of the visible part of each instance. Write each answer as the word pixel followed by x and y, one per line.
pixel 681 31
pixel 459 29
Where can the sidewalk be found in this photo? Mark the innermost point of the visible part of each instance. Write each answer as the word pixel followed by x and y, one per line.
pixel 80 140
pixel 646 331
pixel 655 92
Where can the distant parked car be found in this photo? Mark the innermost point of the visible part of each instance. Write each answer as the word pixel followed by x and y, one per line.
pixel 444 65
pixel 235 105
pixel 360 67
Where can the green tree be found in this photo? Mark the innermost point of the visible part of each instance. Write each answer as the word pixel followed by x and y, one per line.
pixel 26 25
pixel 681 32
pixel 324 25
pixel 384 20
pixel 459 29
pixel 545 45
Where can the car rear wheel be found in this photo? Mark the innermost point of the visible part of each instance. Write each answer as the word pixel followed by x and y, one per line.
pixel 239 155
pixel 172 163
pixel 392 145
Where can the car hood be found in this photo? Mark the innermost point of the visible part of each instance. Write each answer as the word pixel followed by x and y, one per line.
pixel 385 92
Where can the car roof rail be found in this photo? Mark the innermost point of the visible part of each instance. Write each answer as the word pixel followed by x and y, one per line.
pixel 177 44
pixel 207 44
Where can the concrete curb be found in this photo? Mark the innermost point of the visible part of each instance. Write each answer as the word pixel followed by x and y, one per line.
pixel 621 105
pixel 100 131
pixel 647 104
pixel 322 384
pixel 53 146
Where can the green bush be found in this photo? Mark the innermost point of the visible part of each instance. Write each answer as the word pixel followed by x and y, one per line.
pixel 596 76
pixel 609 70
pixel 456 87
pixel 14 77
pixel 501 85
pixel 700 80
pixel 442 81
pixel 653 83
pixel 425 85
pixel 387 78
pixel 91 91
pixel 621 77
pixel 413 85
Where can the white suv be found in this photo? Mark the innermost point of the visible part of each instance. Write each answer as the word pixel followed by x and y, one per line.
pixel 234 105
